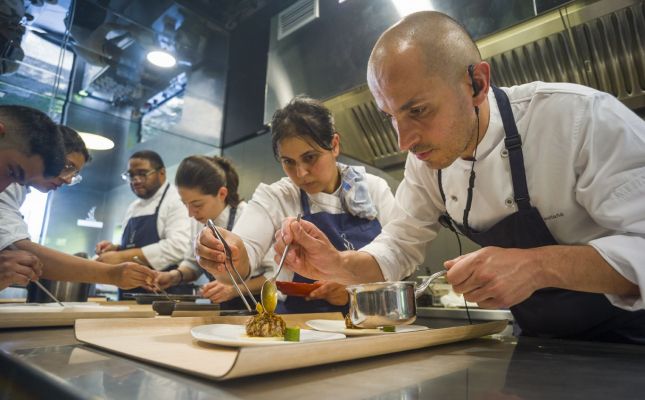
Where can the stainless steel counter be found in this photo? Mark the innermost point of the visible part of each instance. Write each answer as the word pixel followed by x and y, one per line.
pixel 49 363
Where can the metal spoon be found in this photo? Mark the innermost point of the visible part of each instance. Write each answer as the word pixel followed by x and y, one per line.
pixel 269 292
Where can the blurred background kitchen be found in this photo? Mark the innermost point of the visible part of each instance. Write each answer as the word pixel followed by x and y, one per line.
pixel 226 65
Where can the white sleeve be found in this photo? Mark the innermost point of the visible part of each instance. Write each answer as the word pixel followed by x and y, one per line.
pixel 174 232
pixel 12 226
pixel 261 218
pixel 611 187
pixel 400 247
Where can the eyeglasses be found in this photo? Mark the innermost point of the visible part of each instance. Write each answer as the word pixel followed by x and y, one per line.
pixel 71 173
pixel 129 176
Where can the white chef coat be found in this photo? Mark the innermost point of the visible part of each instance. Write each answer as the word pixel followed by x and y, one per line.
pixel 173 226
pixel 584 154
pixel 271 204
pixel 267 265
pixel 12 225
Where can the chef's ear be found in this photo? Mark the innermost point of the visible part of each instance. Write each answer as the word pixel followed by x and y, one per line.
pixel 479 74
pixel 222 192
pixel 335 144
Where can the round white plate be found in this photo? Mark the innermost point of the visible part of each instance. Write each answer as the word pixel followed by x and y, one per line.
pixel 235 335
pixel 327 325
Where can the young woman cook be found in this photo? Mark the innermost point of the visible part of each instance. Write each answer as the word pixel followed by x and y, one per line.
pixel 346 203
pixel 208 188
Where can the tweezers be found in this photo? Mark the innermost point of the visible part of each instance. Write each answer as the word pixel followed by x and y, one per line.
pixel 229 257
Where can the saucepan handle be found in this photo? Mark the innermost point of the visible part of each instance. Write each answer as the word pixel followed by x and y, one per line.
pixel 419 291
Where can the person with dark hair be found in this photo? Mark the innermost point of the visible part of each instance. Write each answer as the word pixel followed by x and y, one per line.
pixel 19 249
pixel 208 187
pixel 31 146
pixel 156 226
pixel 346 202
pixel 549 178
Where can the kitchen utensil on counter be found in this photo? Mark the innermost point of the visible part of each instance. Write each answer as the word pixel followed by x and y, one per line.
pixel 229 258
pixel 386 303
pixel 149 298
pixel 61 291
pixel 48 293
pixel 269 291
pixel 168 307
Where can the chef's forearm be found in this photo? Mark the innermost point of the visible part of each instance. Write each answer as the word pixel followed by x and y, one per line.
pixel 581 268
pixel 358 267
pixel 60 266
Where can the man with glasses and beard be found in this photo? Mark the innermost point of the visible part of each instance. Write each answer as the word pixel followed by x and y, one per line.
pixel 156 227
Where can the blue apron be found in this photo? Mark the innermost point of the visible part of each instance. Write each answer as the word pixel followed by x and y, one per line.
pixel 235 303
pixel 141 231
pixel 345 232
pixel 549 312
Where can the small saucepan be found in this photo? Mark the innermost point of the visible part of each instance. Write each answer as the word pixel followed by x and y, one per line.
pixel 372 305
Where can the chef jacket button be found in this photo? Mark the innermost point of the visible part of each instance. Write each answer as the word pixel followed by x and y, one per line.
pixel 509 202
pixel 454 198
pixel 504 152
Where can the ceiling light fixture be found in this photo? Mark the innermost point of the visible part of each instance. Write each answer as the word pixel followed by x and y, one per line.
pixel 96 142
pixel 161 59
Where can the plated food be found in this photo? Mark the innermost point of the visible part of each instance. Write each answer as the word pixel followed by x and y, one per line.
pixel 266 324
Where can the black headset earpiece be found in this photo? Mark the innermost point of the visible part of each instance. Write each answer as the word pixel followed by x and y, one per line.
pixel 471 73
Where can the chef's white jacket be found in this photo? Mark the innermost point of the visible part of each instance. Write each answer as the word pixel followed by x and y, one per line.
pixel 12 226
pixel 584 154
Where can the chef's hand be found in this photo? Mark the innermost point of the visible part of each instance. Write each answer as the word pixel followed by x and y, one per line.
pixel 311 253
pixel 332 292
pixel 18 267
pixel 218 292
pixel 494 277
pixel 209 251
pixel 166 279
pixel 129 275
pixel 104 245
pixel 111 257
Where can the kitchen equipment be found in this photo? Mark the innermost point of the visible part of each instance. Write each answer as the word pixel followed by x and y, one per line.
pixel 139 261
pixel 61 290
pixel 168 307
pixel 269 291
pixel 229 258
pixel 149 298
pixel 386 303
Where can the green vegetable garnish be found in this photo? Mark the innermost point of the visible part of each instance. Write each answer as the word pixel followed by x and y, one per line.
pixel 292 334
pixel 388 328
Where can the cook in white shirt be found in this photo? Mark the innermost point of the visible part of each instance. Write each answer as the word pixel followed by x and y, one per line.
pixel 157 228
pixel 566 250
pixel 346 202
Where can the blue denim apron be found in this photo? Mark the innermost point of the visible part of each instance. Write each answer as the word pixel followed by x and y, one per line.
pixel 345 232
pixel 141 231
pixel 549 312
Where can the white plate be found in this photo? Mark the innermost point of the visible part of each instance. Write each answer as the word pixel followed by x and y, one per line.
pixel 235 335
pixel 327 325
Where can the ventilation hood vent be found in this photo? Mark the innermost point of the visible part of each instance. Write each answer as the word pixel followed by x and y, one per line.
pixel 365 134
pixel 296 16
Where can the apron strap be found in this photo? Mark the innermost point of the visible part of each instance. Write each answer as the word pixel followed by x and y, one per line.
pixel 513 143
pixel 304 203
pixel 161 200
pixel 231 218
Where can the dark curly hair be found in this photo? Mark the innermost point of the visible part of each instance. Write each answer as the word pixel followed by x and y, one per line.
pixel 73 142
pixel 303 117
pixel 36 134
pixel 155 159
pixel 209 174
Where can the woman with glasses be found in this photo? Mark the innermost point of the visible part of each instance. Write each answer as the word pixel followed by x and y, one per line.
pixel 208 187
pixel 344 201
pixel 14 234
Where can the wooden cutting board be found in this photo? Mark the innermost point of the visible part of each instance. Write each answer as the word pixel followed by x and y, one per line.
pixel 168 343
pixel 36 318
